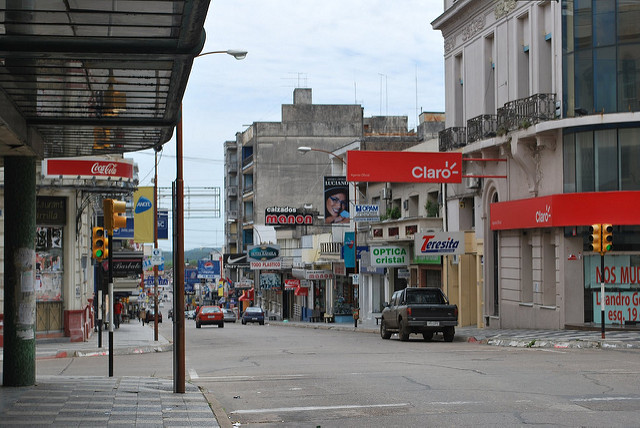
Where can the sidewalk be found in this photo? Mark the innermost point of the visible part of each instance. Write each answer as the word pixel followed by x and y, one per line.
pixel 629 339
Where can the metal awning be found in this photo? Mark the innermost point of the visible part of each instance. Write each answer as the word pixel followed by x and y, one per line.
pixel 93 77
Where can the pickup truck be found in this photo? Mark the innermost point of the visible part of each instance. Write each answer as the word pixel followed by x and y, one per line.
pixel 423 310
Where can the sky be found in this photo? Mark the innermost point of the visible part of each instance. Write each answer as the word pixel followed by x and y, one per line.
pixel 380 54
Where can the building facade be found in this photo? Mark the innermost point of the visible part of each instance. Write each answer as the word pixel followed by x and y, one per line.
pixel 541 98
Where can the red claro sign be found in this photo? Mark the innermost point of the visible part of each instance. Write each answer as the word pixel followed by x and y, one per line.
pixel 87 167
pixel 404 167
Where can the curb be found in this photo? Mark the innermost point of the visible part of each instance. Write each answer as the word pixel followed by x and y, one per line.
pixel 104 352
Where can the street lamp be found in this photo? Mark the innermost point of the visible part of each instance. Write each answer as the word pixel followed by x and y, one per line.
pixel 179 384
pixel 305 149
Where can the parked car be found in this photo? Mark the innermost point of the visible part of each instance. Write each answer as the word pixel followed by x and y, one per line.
pixel 190 315
pixel 229 315
pixel 253 314
pixel 210 315
pixel 151 317
pixel 419 310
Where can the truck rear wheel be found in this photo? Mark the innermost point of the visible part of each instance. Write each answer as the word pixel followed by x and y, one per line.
pixel 404 332
pixel 448 334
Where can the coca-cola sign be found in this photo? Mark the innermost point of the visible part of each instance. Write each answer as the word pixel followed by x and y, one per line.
pixel 88 167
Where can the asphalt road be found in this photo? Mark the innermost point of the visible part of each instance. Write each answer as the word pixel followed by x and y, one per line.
pixel 275 376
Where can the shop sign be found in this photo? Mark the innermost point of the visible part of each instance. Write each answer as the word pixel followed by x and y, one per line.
pixel 208 269
pixel 318 274
pixel 427 260
pixel 149 281
pixel 269 264
pixel 404 273
pixel 291 283
pixel 367 213
pixel 389 256
pixel 51 210
pixel 234 260
pixel 404 167
pixel 277 216
pixel 88 168
pixel 437 243
pixel 126 268
pixel 567 209
pixel 260 253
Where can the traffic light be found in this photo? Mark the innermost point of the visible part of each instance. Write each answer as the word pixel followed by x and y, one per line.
pixel 100 244
pixel 607 237
pixel 595 239
pixel 114 214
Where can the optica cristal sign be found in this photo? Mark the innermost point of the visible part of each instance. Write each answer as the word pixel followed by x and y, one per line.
pixel 389 256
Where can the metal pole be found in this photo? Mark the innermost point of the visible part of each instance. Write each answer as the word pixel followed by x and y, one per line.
pixel 356 297
pixel 155 245
pixel 100 304
pixel 109 234
pixel 602 292
pixel 178 267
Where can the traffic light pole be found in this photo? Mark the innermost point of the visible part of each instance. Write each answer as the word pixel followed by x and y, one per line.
pixel 602 292
pixel 110 236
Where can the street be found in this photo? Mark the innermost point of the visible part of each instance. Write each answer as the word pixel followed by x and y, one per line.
pixel 285 376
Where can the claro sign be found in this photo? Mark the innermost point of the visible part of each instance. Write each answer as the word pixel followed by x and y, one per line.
pixel 404 167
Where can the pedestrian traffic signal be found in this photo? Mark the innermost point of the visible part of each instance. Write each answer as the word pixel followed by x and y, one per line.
pixel 607 237
pixel 595 239
pixel 100 244
pixel 114 214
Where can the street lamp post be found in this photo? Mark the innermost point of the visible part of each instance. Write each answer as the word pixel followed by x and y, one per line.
pixel 179 384
pixel 303 150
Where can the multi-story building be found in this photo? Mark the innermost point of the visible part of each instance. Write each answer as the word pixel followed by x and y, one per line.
pixel 267 173
pixel 542 99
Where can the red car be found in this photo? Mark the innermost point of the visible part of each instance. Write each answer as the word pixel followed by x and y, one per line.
pixel 210 315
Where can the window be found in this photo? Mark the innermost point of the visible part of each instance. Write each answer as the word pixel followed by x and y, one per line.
pixel 606 160
pixel 629 155
pixel 584 162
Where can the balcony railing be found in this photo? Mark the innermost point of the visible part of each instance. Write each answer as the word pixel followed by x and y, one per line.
pixel 517 114
pixel 330 247
pixel 481 127
pixel 247 161
pixel 525 112
pixel 452 138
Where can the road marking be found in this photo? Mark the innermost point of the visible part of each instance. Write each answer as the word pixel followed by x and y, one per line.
pixel 193 374
pixel 605 399
pixel 307 409
pixel 256 378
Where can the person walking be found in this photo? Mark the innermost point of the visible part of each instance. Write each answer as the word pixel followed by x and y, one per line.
pixel 117 311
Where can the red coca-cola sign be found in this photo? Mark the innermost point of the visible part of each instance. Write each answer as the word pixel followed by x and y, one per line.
pixel 86 167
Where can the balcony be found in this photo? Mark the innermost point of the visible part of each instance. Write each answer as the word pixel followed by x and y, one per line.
pixel 333 248
pixel 522 113
pixel 481 127
pixel 514 115
pixel 402 229
pixel 247 161
pixel 232 191
pixel 452 138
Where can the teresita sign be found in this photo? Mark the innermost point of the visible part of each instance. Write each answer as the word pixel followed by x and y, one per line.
pixel 280 216
pixel 439 243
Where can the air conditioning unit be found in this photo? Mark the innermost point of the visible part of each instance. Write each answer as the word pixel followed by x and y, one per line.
pixel 473 182
pixel 386 193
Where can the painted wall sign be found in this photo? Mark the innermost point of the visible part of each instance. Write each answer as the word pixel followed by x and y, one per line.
pixel 404 167
pixel 438 243
pixel 51 210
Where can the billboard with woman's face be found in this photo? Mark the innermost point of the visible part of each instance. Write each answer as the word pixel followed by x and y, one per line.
pixel 336 197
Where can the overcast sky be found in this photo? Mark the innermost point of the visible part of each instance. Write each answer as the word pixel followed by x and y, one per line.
pixel 383 55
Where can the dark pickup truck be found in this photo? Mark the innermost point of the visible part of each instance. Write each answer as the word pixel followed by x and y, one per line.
pixel 419 310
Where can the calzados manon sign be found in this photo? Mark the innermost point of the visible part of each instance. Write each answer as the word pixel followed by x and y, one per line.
pixel 275 216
